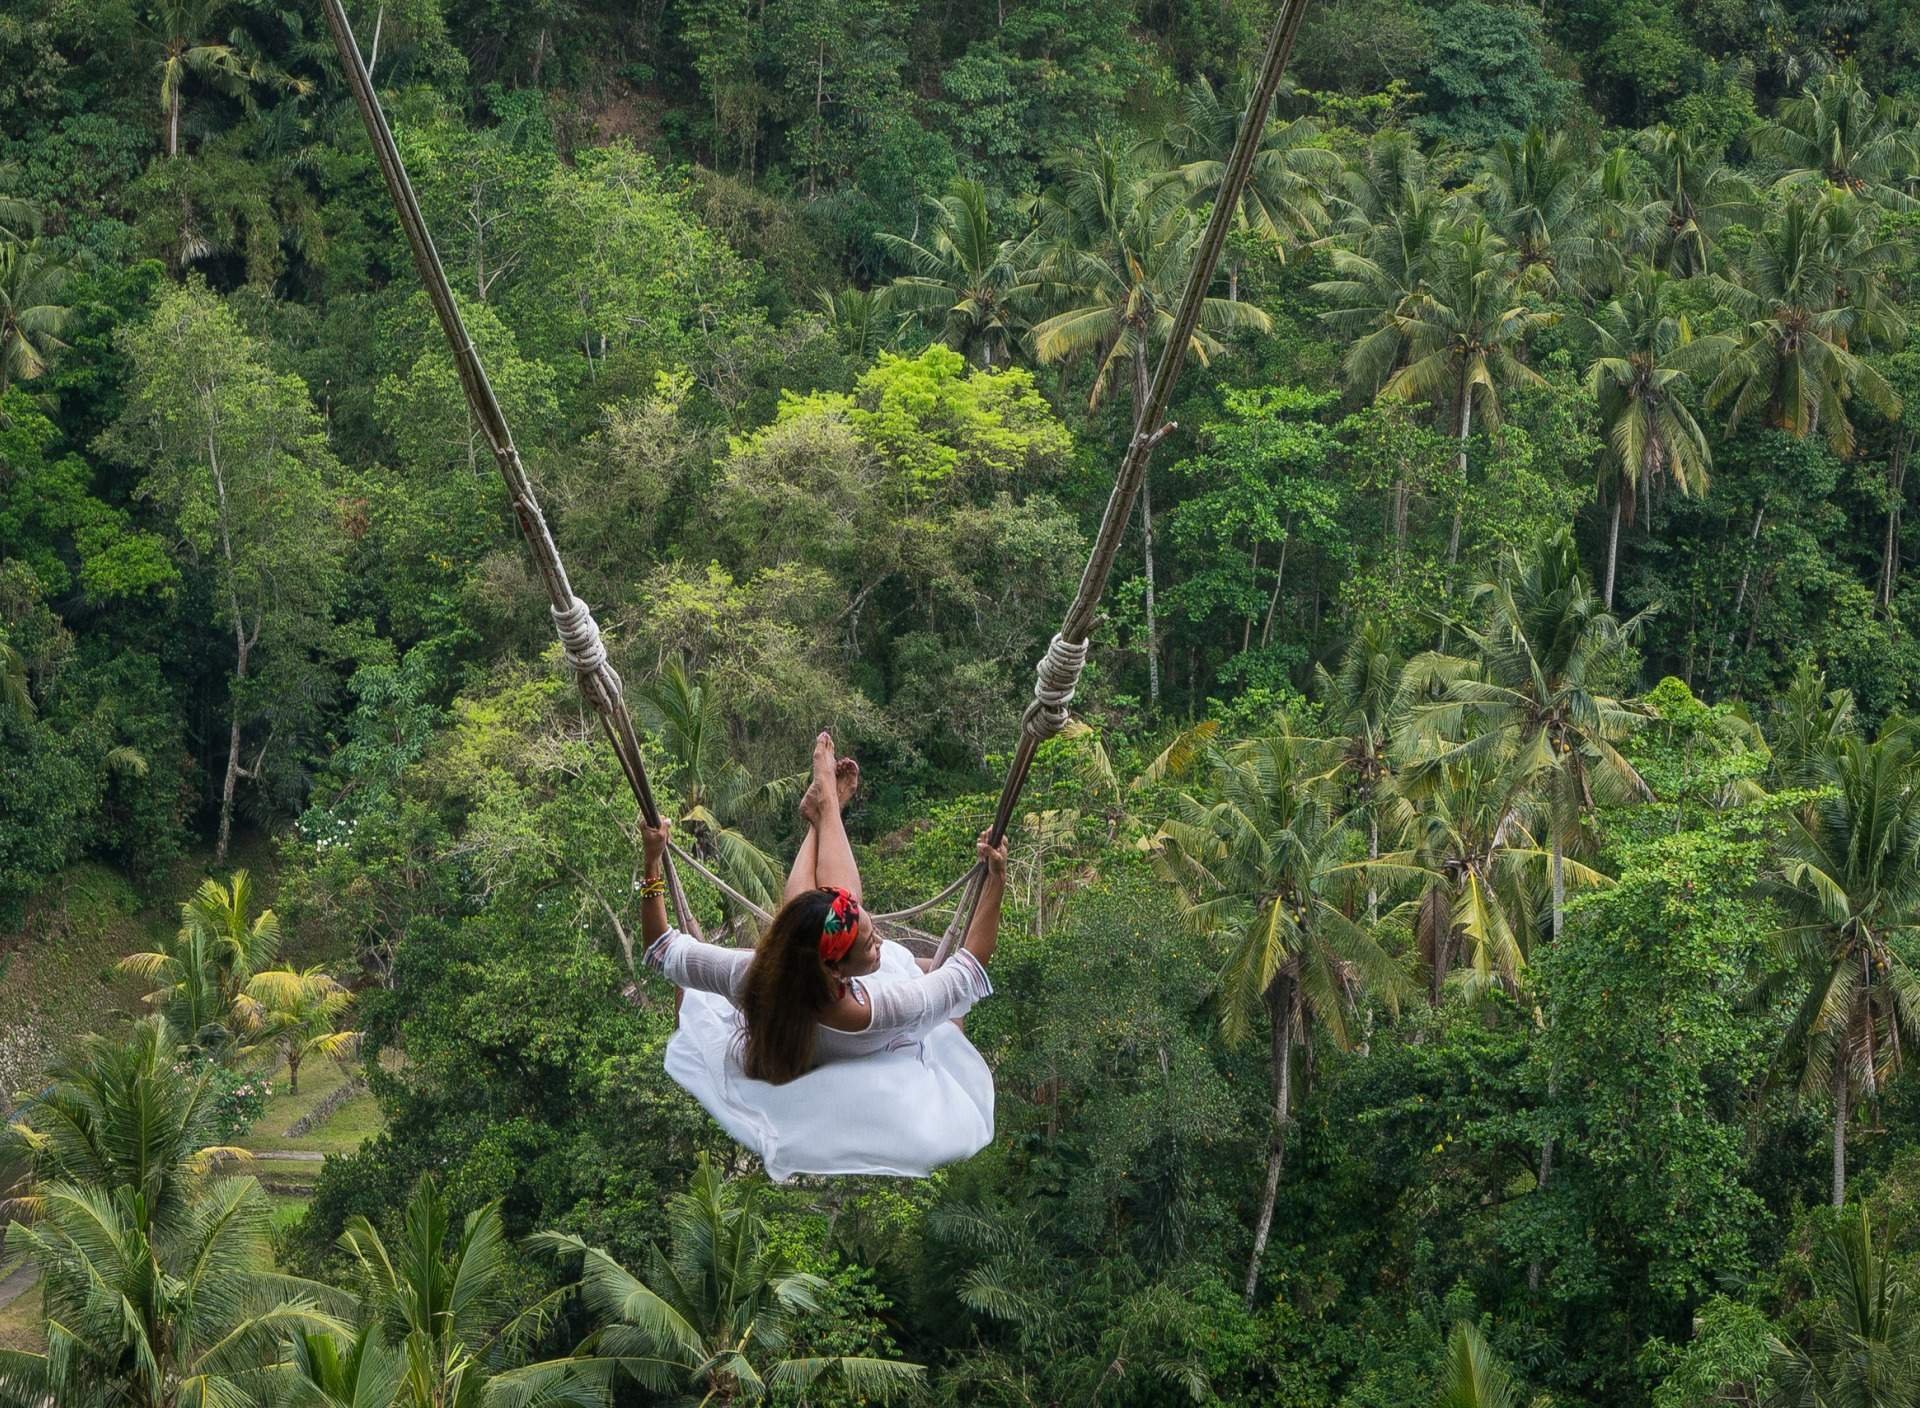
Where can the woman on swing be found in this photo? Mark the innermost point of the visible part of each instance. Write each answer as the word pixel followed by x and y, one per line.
pixel 820 989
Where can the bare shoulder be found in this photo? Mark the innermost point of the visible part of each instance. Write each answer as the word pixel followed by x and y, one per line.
pixel 851 1013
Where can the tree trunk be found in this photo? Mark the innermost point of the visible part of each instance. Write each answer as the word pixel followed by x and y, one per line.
pixel 1613 550
pixel 1890 550
pixel 173 124
pixel 1546 1173
pixel 1141 390
pixel 1839 1133
pixel 1279 580
pixel 1280 1008
pixel 1559 887
pixel 242 642
pixel 293 1069
pixel 1246 626
pixel 1466 431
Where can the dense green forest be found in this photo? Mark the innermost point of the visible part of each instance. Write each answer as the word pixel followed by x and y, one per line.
pixel 1463 951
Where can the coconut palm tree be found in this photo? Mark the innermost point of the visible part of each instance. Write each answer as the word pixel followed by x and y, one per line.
pixel 1813 297
pixel 968 280
pixel 1119 245
pixel 1860 1346
pixel 1387 266
pixel 191 1319
pixel 1544 200
pixel 1258 856
pixel 1532 694
pixel 1837 133
pixel 1695 195
pixel 1850 880
pixel 1360 703
pixel 320 1370
pixel 862 321
pixel 1641 378
pixel 717 791
pixel 13 683
pixel 717 1313
pixel 1473 830
pixel 1465 332
pixel 205 970
pixel 32 313
pixel 185 39
pixel 299 1012
pixel 123 1113
pixel 445 1300
pixel 1285 196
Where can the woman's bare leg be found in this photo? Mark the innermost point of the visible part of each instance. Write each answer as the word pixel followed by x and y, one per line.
pixel 802 877
pixel 833 863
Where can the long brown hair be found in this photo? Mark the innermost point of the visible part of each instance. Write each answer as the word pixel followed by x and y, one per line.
pixel 788 986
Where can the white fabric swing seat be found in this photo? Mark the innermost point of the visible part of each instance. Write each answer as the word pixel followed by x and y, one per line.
pixel 924 1100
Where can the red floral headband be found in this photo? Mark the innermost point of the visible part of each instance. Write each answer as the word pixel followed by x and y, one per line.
pixel 841 926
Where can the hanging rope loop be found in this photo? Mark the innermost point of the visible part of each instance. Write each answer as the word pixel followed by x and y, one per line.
pixel 1056 678
pixel 587 652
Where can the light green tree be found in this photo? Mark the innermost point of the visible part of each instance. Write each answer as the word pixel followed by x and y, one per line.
pixel 299 1012
pixel 206 972
pixel 233 452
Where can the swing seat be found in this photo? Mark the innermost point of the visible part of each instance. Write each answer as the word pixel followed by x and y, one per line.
pixel 903 1112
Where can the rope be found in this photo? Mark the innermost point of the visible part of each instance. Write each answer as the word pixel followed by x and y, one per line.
pixel 587 653
pixel 1058 675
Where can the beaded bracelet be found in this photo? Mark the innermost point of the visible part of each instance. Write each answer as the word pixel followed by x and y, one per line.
pixel 654 887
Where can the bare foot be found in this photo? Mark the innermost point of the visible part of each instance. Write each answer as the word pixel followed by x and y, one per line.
pixel 846 777
pixel 810 804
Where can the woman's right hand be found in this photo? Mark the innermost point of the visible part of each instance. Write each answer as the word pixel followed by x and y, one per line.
pixel 992 856
pixel 653 843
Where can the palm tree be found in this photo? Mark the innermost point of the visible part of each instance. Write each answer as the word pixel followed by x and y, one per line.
pixel 300 1011
pixel 1861 1345
pixel 862 321
pixel 1472 1375
pixel 325 1371
pixel 445 1301
pixel 191 1319
pixel 1533 694
pixel 1640 378
pixel 974 285
pixel 1360 704
pixel 1543 199
pixel 184 40
pixel 1837 133
pixel 1465 332
pixel 19 218
pixel 1285 194
pixel 1260 857
pixel 716 790
pixel 1393 230
pixel 1120 248
pixel 32 315
pixel 1850 880
pixel 1695 195
pixel 13 682
pixel 1812 297
pixel 1473 830
pixel 719 1310
pixel 124 1113
pixel 205 970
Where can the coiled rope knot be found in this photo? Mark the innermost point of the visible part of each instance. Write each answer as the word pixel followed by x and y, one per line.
pixel 1057 676
pixel 586 652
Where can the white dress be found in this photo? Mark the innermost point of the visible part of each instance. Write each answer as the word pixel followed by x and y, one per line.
pixel 903 1096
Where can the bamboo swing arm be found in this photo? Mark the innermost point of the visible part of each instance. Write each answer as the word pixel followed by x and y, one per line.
pixel 1059 669
pixel 599 683
pixel 1046 716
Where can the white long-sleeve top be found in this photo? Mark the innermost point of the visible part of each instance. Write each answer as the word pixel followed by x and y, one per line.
pixel 902 1011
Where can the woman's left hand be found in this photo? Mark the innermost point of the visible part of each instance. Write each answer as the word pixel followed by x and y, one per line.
pixel 992 856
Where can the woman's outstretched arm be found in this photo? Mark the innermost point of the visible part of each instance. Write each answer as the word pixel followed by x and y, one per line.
pixel 653 895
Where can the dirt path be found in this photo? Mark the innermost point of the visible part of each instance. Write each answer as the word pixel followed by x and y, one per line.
pixel 17 1284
